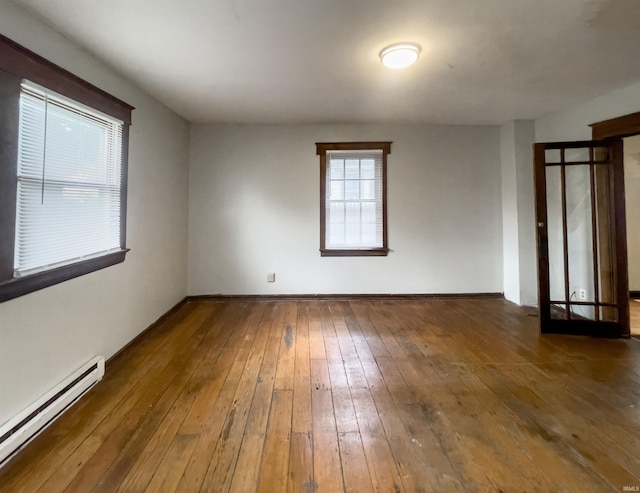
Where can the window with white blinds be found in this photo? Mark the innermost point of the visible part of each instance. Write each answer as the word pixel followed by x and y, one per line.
pixel 353 202
pixel 63 174
pixel 353 195
pixel 69 182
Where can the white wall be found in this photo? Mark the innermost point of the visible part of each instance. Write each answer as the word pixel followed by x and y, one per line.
pixel 518 215
pixel 46 335
pixel 573 123
pixel 510 240
pixel 254 208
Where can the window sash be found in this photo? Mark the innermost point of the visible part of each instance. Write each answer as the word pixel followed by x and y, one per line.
pixel 69 182
pixel 353 201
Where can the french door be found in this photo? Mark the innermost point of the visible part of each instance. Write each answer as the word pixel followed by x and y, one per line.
pixel 581 238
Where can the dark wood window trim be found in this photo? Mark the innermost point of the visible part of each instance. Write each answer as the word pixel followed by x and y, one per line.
pixel 321 150
pixel 17 64
pixel 21 62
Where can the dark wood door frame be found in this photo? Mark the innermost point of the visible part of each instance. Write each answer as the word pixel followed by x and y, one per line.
pixel 622 126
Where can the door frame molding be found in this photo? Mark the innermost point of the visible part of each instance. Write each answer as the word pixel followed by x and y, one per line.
pixel 619 127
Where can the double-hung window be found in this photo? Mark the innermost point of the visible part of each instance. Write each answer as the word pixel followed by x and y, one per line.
pixel 63 169
pixel 353 217
pixel 69 182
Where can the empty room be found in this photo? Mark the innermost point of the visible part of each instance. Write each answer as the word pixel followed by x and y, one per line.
pixel 319 245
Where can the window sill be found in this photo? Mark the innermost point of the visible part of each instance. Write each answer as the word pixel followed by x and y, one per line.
pixel 24 285
pixel 368 252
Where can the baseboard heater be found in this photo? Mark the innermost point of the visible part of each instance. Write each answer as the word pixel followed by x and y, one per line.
pixel 21 429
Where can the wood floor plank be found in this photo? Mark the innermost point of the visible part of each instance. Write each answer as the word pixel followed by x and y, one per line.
pixel 247 471
pixel 412 474
pixel 287 354
pixel 359 395
pixel 275 456
pixel 326 453
pixel 369 335
pixel 170 470
pixel 382 467
pixel 355 471
pixel 331 346
pixel 263 394
pixel 320 379
pixel 301 475
pixel 343 335
pixel 316 339
pixel 302 418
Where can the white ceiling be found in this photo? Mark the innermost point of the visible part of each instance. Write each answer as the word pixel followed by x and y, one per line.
pixel 316 61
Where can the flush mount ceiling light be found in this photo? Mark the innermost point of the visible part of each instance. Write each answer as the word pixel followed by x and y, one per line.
pixel 399 55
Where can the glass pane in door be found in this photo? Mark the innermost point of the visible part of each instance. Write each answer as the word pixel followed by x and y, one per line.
pixel 555 242
pixel 580 239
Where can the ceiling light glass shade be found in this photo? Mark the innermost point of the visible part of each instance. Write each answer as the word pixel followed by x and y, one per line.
pixel 399 55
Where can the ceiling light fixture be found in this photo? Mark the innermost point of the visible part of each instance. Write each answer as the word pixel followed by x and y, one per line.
pixel 400 55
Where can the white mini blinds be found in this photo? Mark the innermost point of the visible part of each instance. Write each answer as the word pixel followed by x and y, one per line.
pixel 69 182
pixel 353 202
pixel 353 194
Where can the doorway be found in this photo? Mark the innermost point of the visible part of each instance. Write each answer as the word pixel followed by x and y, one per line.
pixel 632 201
pixel 614 236
pixel 627 127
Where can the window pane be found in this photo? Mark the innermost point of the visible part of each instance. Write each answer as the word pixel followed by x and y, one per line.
pixel 368 212
pixel 31 148
pixel 337 190
pixel 48 233
pixel 352 190
pixel 336 235
pixel 352 169
pixel 352 237
pixel 352 212
pixel 336 212
pixel 368 190
pixel 337 169
pixel 78 149
pixel 367 167
pixel 369 234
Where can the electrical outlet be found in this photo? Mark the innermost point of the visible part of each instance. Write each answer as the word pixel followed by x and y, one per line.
pixel 582 294
pixel 271 277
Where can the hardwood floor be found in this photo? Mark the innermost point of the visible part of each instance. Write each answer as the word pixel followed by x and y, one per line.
pixel 313 396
